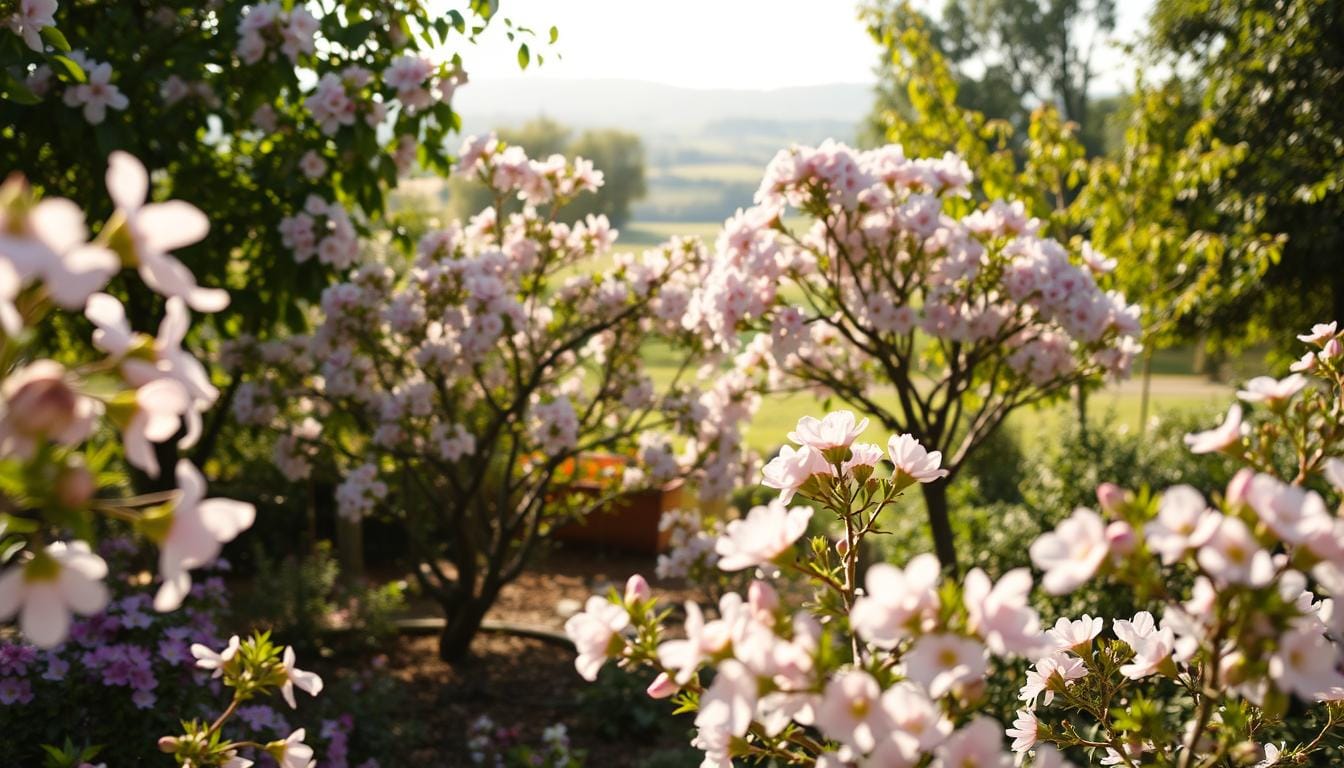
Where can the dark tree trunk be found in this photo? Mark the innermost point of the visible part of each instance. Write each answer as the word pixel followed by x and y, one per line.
pixel 462 620
pixel 940 525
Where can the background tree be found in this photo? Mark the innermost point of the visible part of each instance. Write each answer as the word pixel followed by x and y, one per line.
pixel 1269 76
pixel 250 111
pixel 1007 57
pixel 619 155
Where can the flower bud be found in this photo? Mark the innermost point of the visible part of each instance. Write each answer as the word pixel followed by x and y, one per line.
pixel 1120 538
pixel 762 597
pixel 44 404
pixel 1111 497
pixel 662 687
pixel 637 590
pixel 1239 487
pixel 842 547
pixel 1332 349
pixel 167 744
pixel 74 486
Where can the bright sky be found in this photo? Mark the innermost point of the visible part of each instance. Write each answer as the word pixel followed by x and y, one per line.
pixel 751 44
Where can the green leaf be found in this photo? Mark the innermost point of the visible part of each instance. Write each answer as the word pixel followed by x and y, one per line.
pixel 54 38
pixel 15 90
pixel 524 56
pixel 555 35
pixel 71 67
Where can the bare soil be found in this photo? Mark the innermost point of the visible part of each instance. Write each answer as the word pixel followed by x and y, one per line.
pixel 525 682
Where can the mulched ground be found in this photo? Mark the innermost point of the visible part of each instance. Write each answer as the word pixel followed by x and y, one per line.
pixel 529 683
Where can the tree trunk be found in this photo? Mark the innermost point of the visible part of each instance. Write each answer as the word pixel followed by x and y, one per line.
pixel 350 549
pixel 1080 400
pixel 462 620
pixel 1145 389
pixel 940 526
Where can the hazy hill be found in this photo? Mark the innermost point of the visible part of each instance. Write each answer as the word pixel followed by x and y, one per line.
pixel 654 110
pixel 706 149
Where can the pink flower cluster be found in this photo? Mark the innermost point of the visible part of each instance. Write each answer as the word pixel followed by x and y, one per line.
pixel 885 262
pixel 324 230
pixel 509 170
pixel 268 26
pixel 339 99
pixel 158 392
pixel 1238 594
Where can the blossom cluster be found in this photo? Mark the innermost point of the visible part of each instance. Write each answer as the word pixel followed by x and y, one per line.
pixel 818 662
pixel 267 26
pixel 147 389
pixel 484 375
pixel 253 667
pixel 987 277
pixel 321 229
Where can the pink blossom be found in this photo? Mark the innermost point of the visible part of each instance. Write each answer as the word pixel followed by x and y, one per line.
pixel 48 244
pixel 1046 669
pixel 1001 614
pixel 1220 438
pixel 1271 391
pixel 193 533
pixel 702 639
pixel 159 407
pixel 764 534
pixel 292 752
pixel 1076 636
pixel 835 430
pixel 593 631
pixel 30 19
pixel 1292 512
pixel 942 662
pixel 792 468
pixel 157 228
pixel 1232 555
pixel 1320 333
pixel 978 743
pixel 1071 553
pixel 913 463
pixel 1152 647
pixel 851 712
pixel 1183 522
pixel 295 677
pixel 207 659
pixel 41 404
pixel 58 580
pixel 895 600
pixel 1026 729
pixel 1304 664
pixel 97 93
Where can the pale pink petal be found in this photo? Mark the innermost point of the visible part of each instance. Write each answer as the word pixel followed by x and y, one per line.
pixel 86 596
pixel 83 271
pixel 190 483
pixel 127 181
pixel 171 225
pixel 176 586
pixel 58 223
pixel 113 334
pixel 45 620
pixel 226 518
pixel 11 592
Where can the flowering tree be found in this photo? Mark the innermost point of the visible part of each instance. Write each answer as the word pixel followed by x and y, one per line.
pixel 58 417
pixel 263 106
pixel 894 278
pixel 1237 616
pixel 474 388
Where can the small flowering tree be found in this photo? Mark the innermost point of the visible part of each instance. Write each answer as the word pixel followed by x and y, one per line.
pixel 1237 617
pixel 60 417
pixel 472 389
pixel 895 279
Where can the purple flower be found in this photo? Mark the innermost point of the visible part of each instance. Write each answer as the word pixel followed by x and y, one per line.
pixel 14 659
pixel 142 679
pixel 174 651
pixel 14 690
pixel 56 668
pixel 143 699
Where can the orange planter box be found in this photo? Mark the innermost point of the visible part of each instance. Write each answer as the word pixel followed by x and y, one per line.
pixel 630 522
